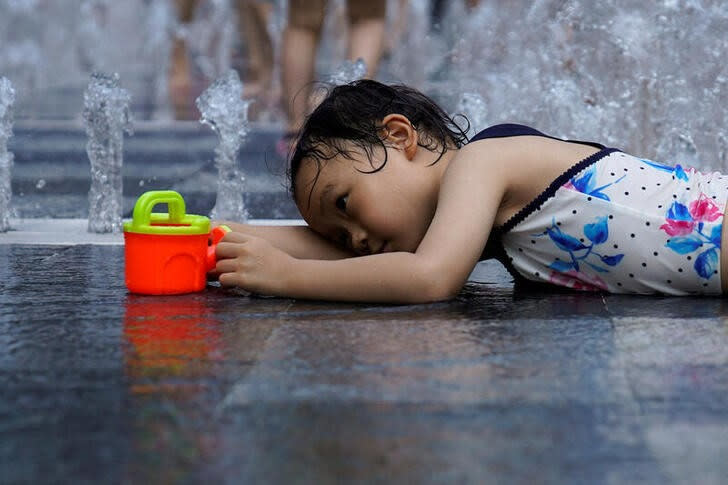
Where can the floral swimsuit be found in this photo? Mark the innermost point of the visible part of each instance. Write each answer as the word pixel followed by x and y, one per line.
pixel 614 222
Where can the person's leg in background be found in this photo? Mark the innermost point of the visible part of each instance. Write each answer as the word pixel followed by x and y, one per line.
pixel 180 89
pixel 253 16
pixel 366 32
pixel 397 27
pixel 300 43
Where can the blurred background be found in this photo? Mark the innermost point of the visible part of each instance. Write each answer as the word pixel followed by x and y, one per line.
pixel 647 77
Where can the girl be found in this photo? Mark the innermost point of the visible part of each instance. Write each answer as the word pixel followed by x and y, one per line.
pixel 400 209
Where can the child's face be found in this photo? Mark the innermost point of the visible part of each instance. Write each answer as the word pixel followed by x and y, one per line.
pixel 369 213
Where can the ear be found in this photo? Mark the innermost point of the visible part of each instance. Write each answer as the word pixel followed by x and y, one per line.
pixel 399 132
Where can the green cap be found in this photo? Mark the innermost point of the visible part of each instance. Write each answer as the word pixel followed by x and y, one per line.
pixel 175 222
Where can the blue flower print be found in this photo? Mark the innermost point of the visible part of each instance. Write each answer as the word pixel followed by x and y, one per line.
pixel 677 169
pixel 586 184
pixel 597 233
pixel 686 226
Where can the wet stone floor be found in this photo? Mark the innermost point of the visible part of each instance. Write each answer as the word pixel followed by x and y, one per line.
pixel 497 386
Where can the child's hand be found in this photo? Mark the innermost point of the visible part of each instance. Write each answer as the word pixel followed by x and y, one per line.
pixel 251 263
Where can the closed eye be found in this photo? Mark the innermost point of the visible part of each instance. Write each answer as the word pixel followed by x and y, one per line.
pixel 341 202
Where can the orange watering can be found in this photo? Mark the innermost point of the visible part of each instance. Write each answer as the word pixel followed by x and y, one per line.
pixel 168 253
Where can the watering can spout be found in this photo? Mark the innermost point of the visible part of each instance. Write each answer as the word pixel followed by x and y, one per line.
pixel 216 235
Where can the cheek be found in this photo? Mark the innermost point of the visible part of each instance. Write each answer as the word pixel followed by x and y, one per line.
pixel 403 208
pixel 411 221
pixel 396 213
pixel 388 217
pixel 391 220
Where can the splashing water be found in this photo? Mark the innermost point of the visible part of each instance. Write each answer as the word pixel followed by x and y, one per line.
pixel 224 110
pixel 7 100
pixel 210 37
pixel 473 106
pixel 646 77
pixel 419 52
pixel 348 71
pixel 106 115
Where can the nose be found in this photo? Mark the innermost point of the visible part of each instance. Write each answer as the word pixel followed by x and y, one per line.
pixel 360 242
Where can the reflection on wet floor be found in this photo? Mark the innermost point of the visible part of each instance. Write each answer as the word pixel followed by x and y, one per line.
pixel 100 385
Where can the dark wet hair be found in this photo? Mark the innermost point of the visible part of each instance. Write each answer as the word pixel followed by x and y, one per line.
pixel 351 115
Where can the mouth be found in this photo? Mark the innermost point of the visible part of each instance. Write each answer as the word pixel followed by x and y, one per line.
pixel 384 248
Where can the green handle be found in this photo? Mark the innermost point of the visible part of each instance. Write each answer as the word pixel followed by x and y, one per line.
pixel 147 201
pixel 176 222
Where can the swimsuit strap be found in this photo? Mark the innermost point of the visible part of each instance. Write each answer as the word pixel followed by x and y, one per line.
pixel 494 247
pixel 510 129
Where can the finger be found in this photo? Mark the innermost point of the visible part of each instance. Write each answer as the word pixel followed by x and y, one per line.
pixel 228 279
pixel 226 250
pixel 236 237
pixel 226 266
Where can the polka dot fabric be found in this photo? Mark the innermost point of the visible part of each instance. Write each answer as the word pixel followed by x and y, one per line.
pixel 623 224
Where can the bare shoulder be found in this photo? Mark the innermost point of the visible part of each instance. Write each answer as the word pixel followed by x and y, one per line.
pixel 522 167
pixel 489 157
pixel 537 150
pixel 497 162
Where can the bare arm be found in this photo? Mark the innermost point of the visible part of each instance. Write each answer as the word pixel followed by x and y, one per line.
pixel 298 241
pixel 470 195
